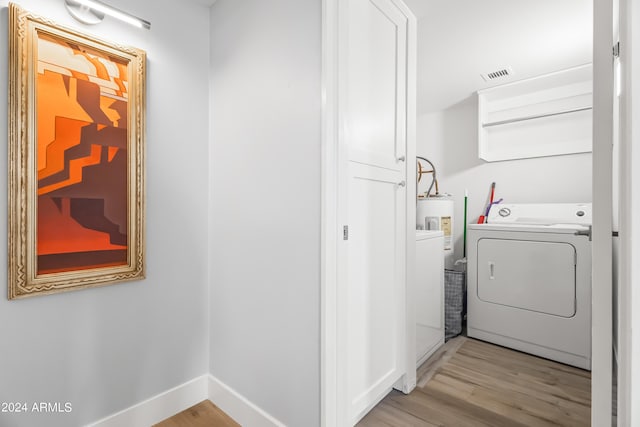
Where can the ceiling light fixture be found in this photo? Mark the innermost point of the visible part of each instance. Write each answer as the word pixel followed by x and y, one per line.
pixel 93 12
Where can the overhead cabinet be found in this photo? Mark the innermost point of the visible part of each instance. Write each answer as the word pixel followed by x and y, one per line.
pixel 548 115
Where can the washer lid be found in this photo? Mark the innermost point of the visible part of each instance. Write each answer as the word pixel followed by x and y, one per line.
pixel 531 228
pixel 540 213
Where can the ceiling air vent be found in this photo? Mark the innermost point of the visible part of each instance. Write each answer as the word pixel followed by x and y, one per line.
pixel 498 74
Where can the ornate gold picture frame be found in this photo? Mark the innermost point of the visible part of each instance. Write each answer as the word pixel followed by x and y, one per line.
pixel 76 159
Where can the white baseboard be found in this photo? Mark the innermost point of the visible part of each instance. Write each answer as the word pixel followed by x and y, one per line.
pixel 159 407
pixel 177 399
pixel 239 407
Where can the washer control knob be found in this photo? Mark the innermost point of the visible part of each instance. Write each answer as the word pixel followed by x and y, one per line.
pixel 504 212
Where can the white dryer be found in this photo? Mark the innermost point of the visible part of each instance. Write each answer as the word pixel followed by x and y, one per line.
pixel 529 280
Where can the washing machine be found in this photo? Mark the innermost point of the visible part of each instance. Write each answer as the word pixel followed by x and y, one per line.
pixel 529 280
pixel 428 293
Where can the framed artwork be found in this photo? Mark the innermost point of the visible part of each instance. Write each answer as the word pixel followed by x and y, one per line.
pixel 76 159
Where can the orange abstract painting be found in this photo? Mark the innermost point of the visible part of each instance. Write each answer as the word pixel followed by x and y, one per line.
pixel 82 107
pixel 76 201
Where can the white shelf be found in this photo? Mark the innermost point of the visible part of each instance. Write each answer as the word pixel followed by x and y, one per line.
pixel 547 115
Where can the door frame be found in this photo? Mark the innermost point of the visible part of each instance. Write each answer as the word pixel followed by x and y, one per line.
pixel 329 217
pixel 602 242
pixel 602 249
pixel 628 300
pixel 331 231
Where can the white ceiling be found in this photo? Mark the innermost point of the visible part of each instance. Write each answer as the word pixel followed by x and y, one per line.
pixel 460 39
pixel 205 2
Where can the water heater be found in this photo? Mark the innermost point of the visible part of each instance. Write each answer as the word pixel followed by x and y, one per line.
pixel 436 213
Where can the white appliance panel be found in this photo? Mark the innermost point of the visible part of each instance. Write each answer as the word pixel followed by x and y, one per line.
pixel 541 213
pixel 429 295
pixel 530 275
pixel 565 339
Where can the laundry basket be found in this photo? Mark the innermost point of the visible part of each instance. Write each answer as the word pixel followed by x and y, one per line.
pixel 454 295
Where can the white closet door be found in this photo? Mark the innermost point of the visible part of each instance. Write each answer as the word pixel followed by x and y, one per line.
pixel 373 203
pixel 375 286
pixel 376 80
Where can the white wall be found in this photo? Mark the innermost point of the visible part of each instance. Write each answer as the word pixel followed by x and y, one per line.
pixel 265 208
pixel 449 139
pixel 106 349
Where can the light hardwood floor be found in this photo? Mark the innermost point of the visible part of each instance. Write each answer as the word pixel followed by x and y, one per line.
pixel 204 414
pixel 473 383
pixel 466 383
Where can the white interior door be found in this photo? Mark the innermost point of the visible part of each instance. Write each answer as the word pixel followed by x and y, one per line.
pixel 372 203
pixel 375 286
